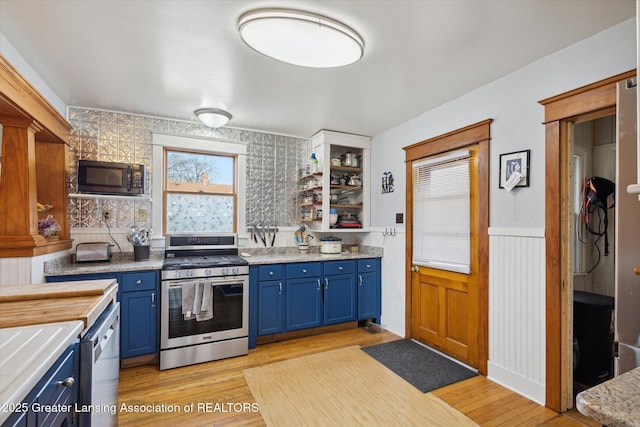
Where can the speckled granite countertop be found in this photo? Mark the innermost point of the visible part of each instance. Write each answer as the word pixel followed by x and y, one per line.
pixel 123 261
pixel 614 402
pixel 291 254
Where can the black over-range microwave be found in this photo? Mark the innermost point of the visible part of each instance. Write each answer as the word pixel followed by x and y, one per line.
pixel 110 178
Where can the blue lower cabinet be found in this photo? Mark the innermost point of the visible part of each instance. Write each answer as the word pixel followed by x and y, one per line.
pixel 139 313
pixel 369 292
pixel 271 307
pixel 288 297
pixel 303 303
pixel 368 296
pixel 54 389
pixel 339 299
pixel 138 293
pixel 138 333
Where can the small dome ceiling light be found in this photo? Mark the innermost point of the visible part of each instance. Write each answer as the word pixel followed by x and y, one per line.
pixel 213 117
pixel 300 38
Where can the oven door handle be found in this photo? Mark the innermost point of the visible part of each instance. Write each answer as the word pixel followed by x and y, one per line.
pixel 213 281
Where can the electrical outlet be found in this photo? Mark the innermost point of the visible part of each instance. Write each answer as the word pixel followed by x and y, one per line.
pixel 106 215
pixel 143 215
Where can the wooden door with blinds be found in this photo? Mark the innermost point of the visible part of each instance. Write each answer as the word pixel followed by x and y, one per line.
pixel 447 249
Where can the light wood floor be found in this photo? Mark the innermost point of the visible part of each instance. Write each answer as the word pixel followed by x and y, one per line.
pixel 221 396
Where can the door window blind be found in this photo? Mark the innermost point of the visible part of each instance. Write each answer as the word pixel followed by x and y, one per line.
pixel 441 212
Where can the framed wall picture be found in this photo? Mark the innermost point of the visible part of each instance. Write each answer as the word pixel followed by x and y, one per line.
pixel 514 169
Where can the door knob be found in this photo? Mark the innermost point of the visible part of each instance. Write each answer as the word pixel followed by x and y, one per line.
pixel 414 268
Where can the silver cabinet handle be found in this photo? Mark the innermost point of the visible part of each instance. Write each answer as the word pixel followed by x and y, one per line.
pixel 138 282
pixel 326 283
pixel 368 265
pixel 153 299
pixel 280 285
pixel 304 270
pixel 271 273
pixel 340 268
pixel 67 383
pixel 360 279
pixel 319 285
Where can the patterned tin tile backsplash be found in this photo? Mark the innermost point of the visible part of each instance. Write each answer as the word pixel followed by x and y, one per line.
pixel 273 162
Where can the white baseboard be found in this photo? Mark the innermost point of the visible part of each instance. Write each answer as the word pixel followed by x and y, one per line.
pixel 513 381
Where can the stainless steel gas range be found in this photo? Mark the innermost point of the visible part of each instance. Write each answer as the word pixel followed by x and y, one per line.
pixel 205 300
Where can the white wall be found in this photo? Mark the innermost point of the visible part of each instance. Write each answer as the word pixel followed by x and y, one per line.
pixel 512 102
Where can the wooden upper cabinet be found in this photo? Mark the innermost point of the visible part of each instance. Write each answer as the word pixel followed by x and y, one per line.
pixel 34 152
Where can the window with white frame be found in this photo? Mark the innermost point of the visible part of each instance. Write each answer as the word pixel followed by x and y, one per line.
pixel 442 212
pixel 199 192
pixel 198 185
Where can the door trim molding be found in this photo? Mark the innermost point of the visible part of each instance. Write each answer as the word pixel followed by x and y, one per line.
pixel 561 111
pixel 477 133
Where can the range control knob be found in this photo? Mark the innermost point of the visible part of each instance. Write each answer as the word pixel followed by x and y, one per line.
pixel 235 270
pixel 207 272
pixel 189 273
pixel 225 271
pixel 177 274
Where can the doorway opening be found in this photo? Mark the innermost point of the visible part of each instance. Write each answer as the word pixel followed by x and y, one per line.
pixel 590 102
pixel 592 230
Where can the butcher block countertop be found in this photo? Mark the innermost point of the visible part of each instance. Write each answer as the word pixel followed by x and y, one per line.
pixel 55 302
pixel 27 353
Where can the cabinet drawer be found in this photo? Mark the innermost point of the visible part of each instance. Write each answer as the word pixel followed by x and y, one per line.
pixel 365 265
pixel 270 272
pixel 139 281
pixel 304 269
pixel 339 267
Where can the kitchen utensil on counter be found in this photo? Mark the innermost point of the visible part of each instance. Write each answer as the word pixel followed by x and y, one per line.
pixel 259 233
pixel 93 251
pixel 330 245
pixel 141 252
pixel 139 236
pixel 302 236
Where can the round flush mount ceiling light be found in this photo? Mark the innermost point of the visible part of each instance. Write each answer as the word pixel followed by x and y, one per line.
pixel 213 117
pixel 300 38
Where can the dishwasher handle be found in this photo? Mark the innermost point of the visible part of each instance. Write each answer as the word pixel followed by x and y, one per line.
pixel 103 340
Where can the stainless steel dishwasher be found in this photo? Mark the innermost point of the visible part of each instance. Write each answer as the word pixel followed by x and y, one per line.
pixel 100 370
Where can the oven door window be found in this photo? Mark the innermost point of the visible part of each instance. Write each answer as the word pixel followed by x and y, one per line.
pixel 226 301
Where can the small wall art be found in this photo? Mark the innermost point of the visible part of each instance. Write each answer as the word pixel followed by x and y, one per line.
pixel 387 182
pixel 514 169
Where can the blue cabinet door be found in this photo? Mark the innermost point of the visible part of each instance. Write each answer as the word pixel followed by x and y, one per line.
pixel 271 307
pixel 339 299
pixel 368 296
pixel 303 300
pixel 139 320
pixel 139 325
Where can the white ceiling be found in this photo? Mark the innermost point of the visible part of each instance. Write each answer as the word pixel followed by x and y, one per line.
pixel 168 57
